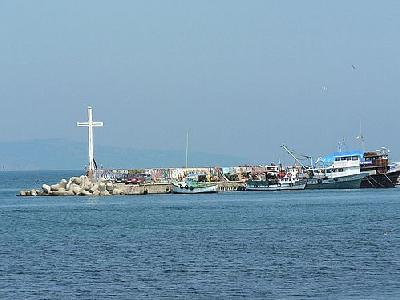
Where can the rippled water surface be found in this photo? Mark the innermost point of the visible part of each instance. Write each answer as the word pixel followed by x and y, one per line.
pixel 316 244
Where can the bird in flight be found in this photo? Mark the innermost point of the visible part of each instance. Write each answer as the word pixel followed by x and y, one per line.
pixel 354 67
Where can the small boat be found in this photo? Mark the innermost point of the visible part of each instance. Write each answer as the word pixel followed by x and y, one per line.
pixel 266 185
pixel 194 184
pixel 287 180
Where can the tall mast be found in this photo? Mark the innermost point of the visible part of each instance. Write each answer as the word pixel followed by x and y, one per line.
pixel 360 137
pixel 187 147
pixel 342 145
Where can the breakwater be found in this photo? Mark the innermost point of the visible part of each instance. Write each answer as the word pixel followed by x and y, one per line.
pixel 75 186
pixel 91 186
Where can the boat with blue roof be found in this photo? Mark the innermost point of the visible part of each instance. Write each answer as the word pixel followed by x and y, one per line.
pixel 339 170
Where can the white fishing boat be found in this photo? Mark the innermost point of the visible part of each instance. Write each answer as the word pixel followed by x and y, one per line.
pixel 340 170
pixel 284 180
pixel 280 186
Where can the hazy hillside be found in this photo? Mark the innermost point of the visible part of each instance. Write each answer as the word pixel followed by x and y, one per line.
pixel 58 154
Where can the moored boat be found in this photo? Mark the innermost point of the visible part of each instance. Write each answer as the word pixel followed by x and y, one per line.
pixel 194 184
pixel 376 164
pixel 284 180
pixel 260 185
pixel 340 170
pixel 342 182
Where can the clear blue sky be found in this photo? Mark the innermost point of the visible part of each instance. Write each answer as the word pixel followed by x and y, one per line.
pixel 244 76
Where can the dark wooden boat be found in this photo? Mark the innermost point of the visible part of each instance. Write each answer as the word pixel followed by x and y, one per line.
pixel 376 164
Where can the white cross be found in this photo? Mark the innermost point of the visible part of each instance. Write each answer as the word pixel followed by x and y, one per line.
pixel 90 124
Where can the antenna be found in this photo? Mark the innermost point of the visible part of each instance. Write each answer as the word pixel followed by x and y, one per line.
pixel 360 137
pixel 341 145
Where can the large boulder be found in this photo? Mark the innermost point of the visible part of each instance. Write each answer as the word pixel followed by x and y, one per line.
pixel 40 193
pixel 104 193
pixel 102 187
pixel 46 188
pixel 85 193
pixel 33 193
pixel 69 193
pixel 94 188
pixel 76 189
pixel 83 179
pixel 55 187
pixel 109 187
pixel 88 186
pixel 63 183
pixel 117 192
pixel 68 186
pixel 76 180
pixel 86 183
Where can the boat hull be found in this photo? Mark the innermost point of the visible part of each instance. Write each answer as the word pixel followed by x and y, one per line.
pixel 345 182
pixel 194 190
pixel 263 187
pixel 385 180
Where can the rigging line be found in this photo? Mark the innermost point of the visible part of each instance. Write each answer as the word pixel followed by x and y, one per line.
pixel 379 184
pixel 388 179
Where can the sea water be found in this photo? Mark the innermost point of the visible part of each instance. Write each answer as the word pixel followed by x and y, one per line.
pixel 307 244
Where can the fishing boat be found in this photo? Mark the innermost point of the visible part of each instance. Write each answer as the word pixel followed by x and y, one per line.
pixel 284 180
pixel 380 174
pixel 340 170
pixel 275 186
pixel 194 184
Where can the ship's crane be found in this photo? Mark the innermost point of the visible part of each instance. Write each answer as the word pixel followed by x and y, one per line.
pixel 292 154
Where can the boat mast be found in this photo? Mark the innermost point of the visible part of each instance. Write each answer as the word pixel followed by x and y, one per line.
pixel 341 145
pixel 187 147
pixel 360 137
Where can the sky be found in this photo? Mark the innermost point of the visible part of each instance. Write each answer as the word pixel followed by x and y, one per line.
pixel 243 76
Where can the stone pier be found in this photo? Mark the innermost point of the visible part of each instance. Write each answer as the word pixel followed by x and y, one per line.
pixel 86 186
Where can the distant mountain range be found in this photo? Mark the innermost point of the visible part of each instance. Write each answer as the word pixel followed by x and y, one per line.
pixel 59 154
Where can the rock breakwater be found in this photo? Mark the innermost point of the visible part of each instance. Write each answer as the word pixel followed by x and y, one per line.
pixel 77 186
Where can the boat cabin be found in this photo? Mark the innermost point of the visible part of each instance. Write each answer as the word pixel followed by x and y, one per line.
pixel 197 178
pixel 375 162
pixel 339 164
